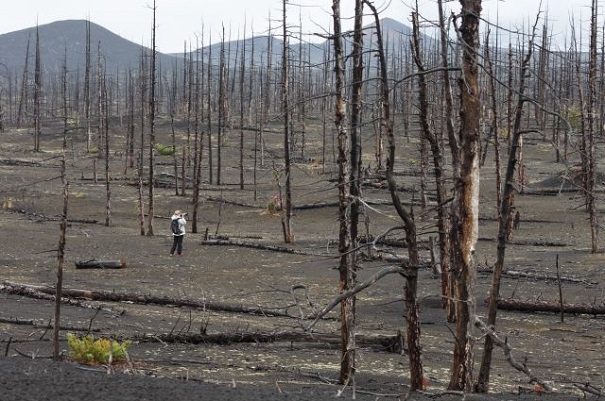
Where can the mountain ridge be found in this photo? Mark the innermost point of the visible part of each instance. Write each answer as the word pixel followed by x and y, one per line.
pixel 65 40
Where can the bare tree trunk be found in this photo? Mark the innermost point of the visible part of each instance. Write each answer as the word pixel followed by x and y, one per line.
pixel 105 129
pixel 87 88
pixel 504 224
pixel 438 162
pixel 209 113
pixel 347 306
pixel 198 142
pixel 411 275
pixel 37 95
pixel 140 156
pixel 23 98
pixel 186 154
pixel 62 227
pixel 222 108
pixel 175 159
pixel 287 207
pixel 465 223
pixel 242 112
pixel 445 243
pixel 131 125
pixel 591 159
pixel 60 259
pixel 152 106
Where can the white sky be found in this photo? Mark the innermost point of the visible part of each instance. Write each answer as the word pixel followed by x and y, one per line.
pixel 182 20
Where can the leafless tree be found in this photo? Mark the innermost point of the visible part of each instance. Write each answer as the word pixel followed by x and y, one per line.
pixel 590 131
pixel 287 206
pixel 465 207
pixel 56 347
pixel 504 221
pixel 222 108
pixel 152 109
pixel 87 89
pixel 409 225
pixel 37 94
pixel 23 98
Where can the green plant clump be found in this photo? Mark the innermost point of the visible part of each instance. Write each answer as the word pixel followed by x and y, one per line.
pixel 87 349
pixel 164 150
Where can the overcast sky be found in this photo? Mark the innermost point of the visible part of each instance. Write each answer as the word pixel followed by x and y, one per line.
pixel 182 20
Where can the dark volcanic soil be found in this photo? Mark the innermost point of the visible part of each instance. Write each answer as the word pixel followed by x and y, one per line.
pixel 566 354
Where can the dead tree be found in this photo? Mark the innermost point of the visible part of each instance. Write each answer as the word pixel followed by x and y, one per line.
pixel 410 270
pixel 87 88
pixel 37 95
pixel 152 106
pixel 61 246
pixel 143 69
pixel 222 108
pixel 104 128
pixel 23 97
pixel 287 206
pixel 209 113
pixel 242 76
pixel 504 221
pixel 465 207
pixel 436 145
pixel 346 241
pixel 198 140
pixel 447 290
pixel 590 132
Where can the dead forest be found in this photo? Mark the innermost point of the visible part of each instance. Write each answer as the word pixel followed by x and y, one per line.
pixel 441 127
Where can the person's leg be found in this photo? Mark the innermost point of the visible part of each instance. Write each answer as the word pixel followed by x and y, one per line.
pixel 179 246
pixel 174 245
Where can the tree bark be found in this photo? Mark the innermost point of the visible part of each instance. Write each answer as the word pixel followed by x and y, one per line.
pixel 465 212
pixel 504 224
pixel 152 107
pixel 346 264
pixel 549 306
pixel 411 276
pixel 100 264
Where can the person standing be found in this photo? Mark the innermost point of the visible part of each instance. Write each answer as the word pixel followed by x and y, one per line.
pixel 177 225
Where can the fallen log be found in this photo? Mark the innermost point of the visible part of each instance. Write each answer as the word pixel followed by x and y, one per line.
pixel 255 245
pixel 538 276
pixel 108 296
pixel 43 325
pixel 388 342
pixel 100 264
pixel 549 306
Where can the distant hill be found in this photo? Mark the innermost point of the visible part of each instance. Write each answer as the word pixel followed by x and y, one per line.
pixel 395 35
pixel 68 39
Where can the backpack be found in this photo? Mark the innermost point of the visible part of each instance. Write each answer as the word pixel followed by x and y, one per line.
pixel 174 227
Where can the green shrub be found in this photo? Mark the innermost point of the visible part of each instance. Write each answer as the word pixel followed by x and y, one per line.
pixel 87 349
pixel 164 150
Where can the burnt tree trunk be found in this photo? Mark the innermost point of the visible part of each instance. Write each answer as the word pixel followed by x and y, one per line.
pixel 447 289
pixel 410 270
pixel 346 266
pixel 504 224
pixel 465 210
pixel 152 106
pixel 287 206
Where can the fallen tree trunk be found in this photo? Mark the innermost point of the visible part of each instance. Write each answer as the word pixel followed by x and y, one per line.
pixel 108 296
pixel 100 264
pixel 549 306
pixel 391 343
pixel 255 245
pixel 538 276
pixel 42 325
